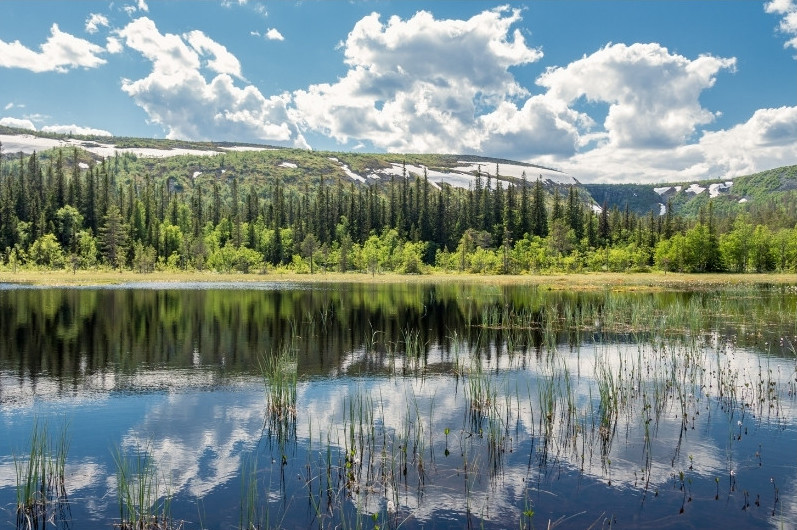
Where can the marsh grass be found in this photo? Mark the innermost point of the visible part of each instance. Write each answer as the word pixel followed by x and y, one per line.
pixel 41 479
pixel 279 372
pixel 143 492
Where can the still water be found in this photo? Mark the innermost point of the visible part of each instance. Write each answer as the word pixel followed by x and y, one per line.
pixel 412 406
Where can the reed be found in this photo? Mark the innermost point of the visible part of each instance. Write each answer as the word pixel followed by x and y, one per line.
pixel 144 496
pixel 41 478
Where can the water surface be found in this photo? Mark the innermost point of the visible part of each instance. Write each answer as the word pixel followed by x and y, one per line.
pixel 415 405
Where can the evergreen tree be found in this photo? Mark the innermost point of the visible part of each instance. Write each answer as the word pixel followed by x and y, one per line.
pixel 113 238
pixel 524 218
pixel 557 212
pixel 539 213
pixel 604 232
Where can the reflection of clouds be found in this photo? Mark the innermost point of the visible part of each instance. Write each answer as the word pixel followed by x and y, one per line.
pixel 23 392
pixel 668 375
pixel 202 424
pixel 197 439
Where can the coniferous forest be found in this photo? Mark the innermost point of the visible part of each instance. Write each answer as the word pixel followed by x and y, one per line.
pixel 247 212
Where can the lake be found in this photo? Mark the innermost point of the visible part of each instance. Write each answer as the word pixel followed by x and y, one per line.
pixel 261 405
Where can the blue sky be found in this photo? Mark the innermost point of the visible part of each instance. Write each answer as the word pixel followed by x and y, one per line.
pixel 605 90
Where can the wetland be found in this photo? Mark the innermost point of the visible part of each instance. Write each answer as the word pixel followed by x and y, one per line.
pixel 385 405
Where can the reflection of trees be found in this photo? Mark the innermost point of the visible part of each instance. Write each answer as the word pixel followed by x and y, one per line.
pixel 68 332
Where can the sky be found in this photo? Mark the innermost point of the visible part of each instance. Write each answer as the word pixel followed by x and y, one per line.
pixel 607 91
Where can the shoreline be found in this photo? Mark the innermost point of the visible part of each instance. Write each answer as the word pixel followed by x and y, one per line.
pixel 573 281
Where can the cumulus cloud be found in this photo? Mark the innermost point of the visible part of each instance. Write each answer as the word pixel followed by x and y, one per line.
pixel 17 123
pixel 75 129
pixel 766 140
pixel 417 84
pixel 788 24
pixel 653 95
pixel 221 61
pixel 542 126
pixel 60 53
pixel 94 22
pixel 274 34
pixel 113 46
pixel 177 96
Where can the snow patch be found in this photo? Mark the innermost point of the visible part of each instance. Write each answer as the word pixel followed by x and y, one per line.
pixel 742 200
pixel 715 189
pixel 290 165
pixel 196 174
pixel 597 209
pixel 26 143
pixel 662 209
pixel 515 171
pixel 351 174
pixel 695 188
pixel 82 165
pixel 662 191
pixel 240 148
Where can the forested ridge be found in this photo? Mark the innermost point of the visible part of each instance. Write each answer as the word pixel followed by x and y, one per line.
pixel 65 208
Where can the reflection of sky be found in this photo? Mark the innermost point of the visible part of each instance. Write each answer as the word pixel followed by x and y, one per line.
pixel 199 426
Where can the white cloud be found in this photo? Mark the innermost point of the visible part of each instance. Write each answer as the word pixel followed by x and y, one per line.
pixel 9 106
pixel 418 84
pixel 113 46
pixel 177 96
pixel 94 22
pixel 766 140
pixel 75 129
pixel 788 24
pixel 653 95
pixel 542 126
pixel 59 53
pixel 17 123
pixel 141 5
pixel 222 61
pixel 274 34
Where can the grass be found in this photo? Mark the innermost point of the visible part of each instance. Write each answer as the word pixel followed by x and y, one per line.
pixel 41 478
pixel 144 498
pixel 652 281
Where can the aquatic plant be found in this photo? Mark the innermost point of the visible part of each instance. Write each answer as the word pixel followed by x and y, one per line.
pixel 143 493
pixel 41 478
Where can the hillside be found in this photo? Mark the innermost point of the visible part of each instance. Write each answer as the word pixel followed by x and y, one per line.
pixel 182 163
pixel 728 196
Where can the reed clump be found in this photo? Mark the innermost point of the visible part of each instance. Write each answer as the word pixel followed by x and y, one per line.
pixel 41 478
pixel 143 494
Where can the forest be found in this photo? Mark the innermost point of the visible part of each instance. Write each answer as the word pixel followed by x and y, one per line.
pixel 67 209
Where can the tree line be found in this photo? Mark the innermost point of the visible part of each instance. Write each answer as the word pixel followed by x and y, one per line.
pixel 66 210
